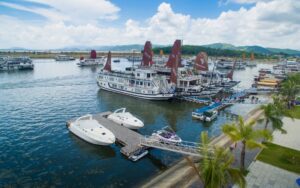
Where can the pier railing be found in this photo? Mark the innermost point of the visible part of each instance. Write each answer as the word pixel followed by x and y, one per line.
pixel 184 147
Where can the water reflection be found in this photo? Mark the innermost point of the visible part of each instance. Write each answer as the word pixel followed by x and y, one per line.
pixel 102 152
pixel 148 111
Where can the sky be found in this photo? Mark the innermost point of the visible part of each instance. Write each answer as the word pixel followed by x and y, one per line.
pixel 53 24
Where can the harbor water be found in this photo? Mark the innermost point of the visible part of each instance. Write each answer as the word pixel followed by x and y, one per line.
pixel 37 150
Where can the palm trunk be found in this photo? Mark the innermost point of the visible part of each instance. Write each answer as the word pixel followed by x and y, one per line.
pixel 243 153
pixel 266 125
pixel 192 164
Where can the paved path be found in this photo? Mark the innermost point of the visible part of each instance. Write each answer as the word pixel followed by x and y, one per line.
pixel 267 176
pixel 291 139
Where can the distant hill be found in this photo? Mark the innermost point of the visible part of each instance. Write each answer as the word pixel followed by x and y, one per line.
pixel 254 49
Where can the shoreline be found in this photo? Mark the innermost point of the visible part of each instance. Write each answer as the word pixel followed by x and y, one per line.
pixel 182 174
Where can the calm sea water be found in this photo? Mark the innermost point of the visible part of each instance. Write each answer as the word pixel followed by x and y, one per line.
pixel 38 150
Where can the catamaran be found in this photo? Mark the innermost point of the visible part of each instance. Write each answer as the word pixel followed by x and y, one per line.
pixel 140 83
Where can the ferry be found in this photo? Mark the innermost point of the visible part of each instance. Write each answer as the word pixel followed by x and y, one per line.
pixel 64 58
pixel 140 83
pixel 92 60
pixel 17 63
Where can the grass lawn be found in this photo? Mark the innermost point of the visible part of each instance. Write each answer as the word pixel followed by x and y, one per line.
pixel 295 112
pixel 281 157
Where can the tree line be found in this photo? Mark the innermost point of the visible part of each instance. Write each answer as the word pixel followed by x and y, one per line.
pixel 194 50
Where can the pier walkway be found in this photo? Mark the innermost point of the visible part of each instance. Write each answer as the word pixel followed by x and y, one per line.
pixel 128 138
pixel 133 141
pixel 186 148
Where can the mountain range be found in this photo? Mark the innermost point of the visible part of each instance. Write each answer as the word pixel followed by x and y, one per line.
pixel 138 47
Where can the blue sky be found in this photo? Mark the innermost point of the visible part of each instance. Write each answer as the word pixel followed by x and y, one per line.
pixel 44 24
pixel 140 10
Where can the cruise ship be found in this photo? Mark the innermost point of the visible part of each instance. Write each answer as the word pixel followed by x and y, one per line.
pixel 92 60
pixel 141 83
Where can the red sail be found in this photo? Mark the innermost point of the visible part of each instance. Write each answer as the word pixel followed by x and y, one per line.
pixel 93 54
pixel 201 62
pixel 174 67
pixel 107 66
pixel 147 55
pixel 230 74
pixel 175 52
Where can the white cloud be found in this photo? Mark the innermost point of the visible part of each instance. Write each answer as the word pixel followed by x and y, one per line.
pixel 72 11
pixel 272 23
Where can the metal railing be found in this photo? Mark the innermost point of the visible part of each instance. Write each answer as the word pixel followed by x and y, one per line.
pixel 184 147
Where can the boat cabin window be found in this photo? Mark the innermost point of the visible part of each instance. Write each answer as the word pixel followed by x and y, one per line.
pixel 138 74
pixel 148 75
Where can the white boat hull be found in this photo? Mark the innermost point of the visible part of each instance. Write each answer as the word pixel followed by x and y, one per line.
pixel 166 96
pixel 91 131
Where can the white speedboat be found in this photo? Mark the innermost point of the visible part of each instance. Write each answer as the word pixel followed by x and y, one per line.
pixel 91 131
pixel 167 136
pixel 125 119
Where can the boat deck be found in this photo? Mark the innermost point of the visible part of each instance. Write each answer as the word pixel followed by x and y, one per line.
pixel 126 137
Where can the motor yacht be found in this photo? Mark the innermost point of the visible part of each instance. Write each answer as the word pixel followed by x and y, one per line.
pixel 167 136
pixel 126 119
pixel 91 131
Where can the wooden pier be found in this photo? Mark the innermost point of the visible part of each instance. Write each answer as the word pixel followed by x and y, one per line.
pixel 128 138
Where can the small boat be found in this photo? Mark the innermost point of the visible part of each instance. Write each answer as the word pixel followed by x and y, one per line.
pixel 64 58
pixel 167 136
pixel 210 115
pixel 91 131
pixel 207 113
pixel 116 61
pixel 138 154
pixel 126 119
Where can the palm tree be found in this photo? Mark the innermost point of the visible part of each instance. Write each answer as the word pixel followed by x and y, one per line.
pixel 245 133
pixel 290 87
pixel 215 168
pixel 272 114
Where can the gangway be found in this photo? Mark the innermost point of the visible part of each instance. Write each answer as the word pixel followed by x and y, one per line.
pixel 185 147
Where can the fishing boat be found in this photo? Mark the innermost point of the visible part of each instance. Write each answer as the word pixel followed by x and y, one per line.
pixel 91 131
pixel 138 154
pixel 63 57
pixel 126 119
pixel 140 83
pixel 93 60
pixel 167 136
